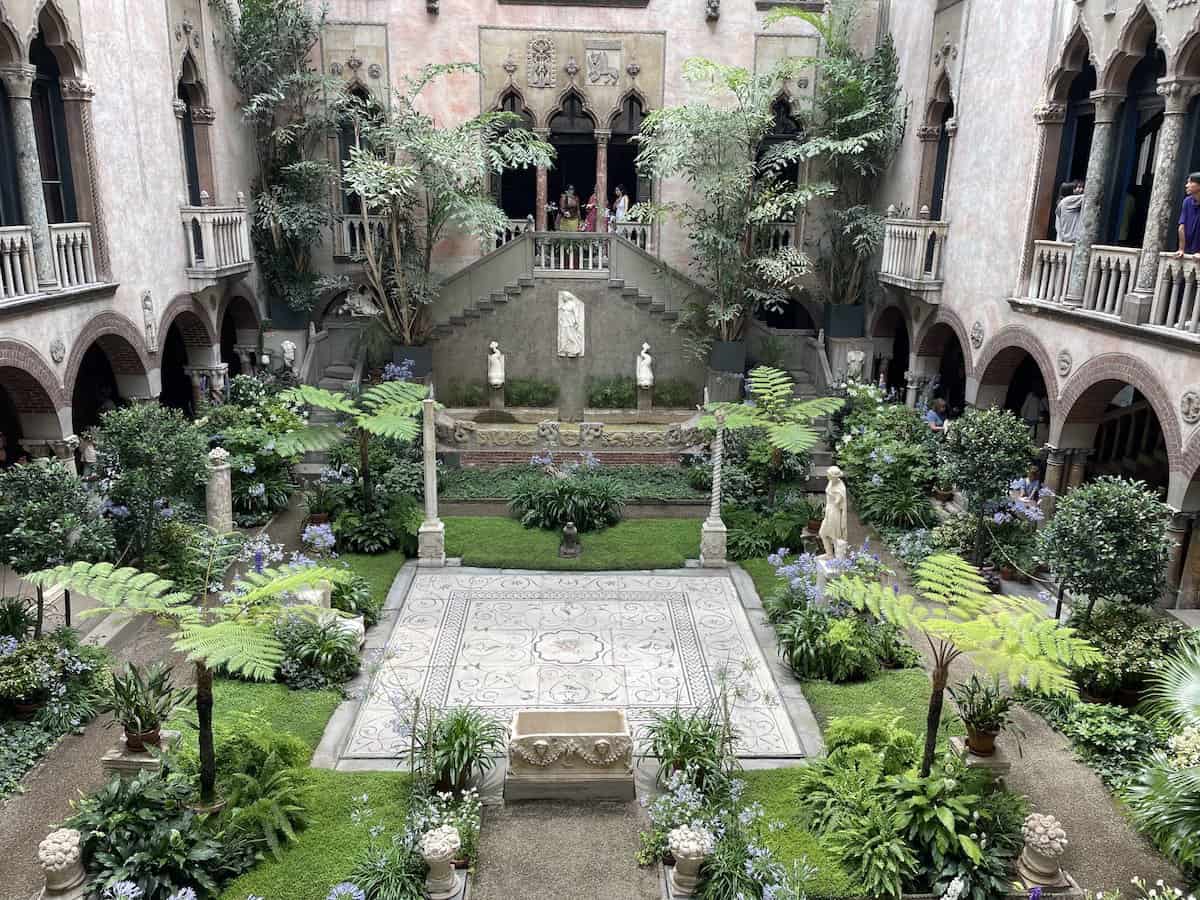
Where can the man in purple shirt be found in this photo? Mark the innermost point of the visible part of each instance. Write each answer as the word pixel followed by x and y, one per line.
pixel 1189 218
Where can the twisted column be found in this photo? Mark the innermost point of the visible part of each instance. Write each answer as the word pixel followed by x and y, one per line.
pixel 18 81
pixel 712 532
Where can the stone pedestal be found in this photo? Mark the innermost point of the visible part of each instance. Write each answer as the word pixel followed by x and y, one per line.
pixel 998 763
pixel 570 754
pixel 439 847
pixel 431 536
pixel 127 764
pixel 319 594
pixel 431 544
pixel 61 858
pixel 723 387
pixel 690 847
pixel 712 544
pixel 218 493
pixel 645 399
pixel 495 396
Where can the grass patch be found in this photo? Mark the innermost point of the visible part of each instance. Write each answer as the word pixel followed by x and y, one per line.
pixel 380 570
pixel 896 692
pixel 302 713
pixel 775 790
pixel 325 852
pixel 763 573
pixel 633 544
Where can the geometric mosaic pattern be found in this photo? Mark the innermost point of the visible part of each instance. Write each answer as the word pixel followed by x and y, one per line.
pixel 642 643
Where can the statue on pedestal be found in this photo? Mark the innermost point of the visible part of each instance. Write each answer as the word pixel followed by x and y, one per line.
pixel 834 529
pixel 495 365
pixel 645 368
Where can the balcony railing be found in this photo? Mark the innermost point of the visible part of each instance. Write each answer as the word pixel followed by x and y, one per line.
pixel 73 261
pixel 912 253
pixel 218 242
pixel 354 233
pixel 512 230
pixel 583 253
pixel 1051 270
pixel 640 234
pixel 1112 272
pixel 1176 304
pixel 18 272
pixel 777 235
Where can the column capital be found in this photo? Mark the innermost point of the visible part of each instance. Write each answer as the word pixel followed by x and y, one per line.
pixel 179 107
pixel 602 135
pixel 1178 94
pixel 78 90
pixel 543 133
pixel 1107 104
pixel 203 115
pixel 927 134
pixel 18 80
pixel 1050 113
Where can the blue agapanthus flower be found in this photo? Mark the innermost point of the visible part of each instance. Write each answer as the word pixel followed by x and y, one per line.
pixel 123 890
pixel 346 891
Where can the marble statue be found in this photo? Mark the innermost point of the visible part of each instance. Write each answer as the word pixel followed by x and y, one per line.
pixel 358 305
pixel 495 363
pixel 570 325
pixel 148 321
pixel 289 354
pixel 645 368
pixel 833 526
pixel 854 365
pixel 87 454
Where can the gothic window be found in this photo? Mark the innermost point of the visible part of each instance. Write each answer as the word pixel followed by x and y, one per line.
pixel 50 131
pixel 515 190
pixel 622 151
pixel 348 139
pixel 191 166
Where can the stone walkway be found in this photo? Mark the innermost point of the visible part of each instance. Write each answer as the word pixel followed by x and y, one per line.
pixel 547 850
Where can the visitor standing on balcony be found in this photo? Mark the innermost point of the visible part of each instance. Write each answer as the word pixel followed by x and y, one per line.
pixel 589 213
pixel 621 207
pixel 568 210
pixel 1189 218
pixel 1068 215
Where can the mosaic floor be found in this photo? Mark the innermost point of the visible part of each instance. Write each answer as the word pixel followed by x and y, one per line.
pixel 644 643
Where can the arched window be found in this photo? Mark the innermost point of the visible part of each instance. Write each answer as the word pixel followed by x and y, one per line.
pixel 50 131
pixel 191 165
pixel 941 164
pixel 348 138
pixel 573 134
pixel 515 190
pixel 623 149
pixel 785 128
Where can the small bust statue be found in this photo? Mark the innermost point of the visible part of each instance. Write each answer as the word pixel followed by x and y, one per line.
pixel 833 526
pixel 495 362
pixel 569 548
pixel 854 365
pixel 289 353
pixel 645 368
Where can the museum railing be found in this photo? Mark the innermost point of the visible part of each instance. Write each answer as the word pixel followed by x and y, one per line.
pixel 1051 270
pixel 218 242
pixel 1112 273
pixel 582 253
pixel 1176 302
pixel 640 234
pixel 73 261
pixel 18 273
pixel 912 254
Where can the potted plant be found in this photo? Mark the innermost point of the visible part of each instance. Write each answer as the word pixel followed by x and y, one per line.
pixel 142 700
pixel 323 500
pixel 985 710
pixel 816 512
pixel 456 744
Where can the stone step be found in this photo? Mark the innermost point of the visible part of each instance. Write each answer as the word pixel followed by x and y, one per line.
pixel 339 370
pixel 333 384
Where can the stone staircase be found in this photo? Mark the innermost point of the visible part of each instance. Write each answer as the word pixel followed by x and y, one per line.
pixel 338 376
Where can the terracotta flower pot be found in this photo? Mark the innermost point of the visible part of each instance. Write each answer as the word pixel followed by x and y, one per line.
pixel 138 741
pixel 318 518
pixel 462 863
pixel 981 743
pixel 814 525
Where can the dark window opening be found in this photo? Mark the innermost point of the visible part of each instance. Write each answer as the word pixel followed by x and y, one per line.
pixel 515 190
pixel 50 133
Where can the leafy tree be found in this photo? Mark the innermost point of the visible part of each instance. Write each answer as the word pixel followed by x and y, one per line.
pixel 719 148
pixel 47 518
pixel 387 409
pixel 1108 541
pixel 1006 636
pixel 150 458
pixel 290 107
pixel 423 179
pixel 985 450
pixel 857 128
pixel 236 635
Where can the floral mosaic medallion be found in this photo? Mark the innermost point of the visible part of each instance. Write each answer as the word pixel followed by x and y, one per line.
pixel 642 643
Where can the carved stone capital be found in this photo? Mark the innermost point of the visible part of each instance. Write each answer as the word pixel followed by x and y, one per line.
pixel 602 135
pixel 951 127
pixel 1050 114
pixel 79 90
pixel 203 115
pixel 180 108
pixel 1107 105
pixel 929 133
pixel 1178 94
pixel 18 80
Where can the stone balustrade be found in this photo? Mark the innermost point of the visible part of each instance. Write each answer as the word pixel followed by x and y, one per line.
pixel 352 234
pixel 218 243
pixel 777 235
pixel 1051 270
pixel 18 272
pixel 640 234
pixel 73 261
pixel 1176 304
pixel 580 253
pixel 912 253
pixel 512 230
pixel 1112 273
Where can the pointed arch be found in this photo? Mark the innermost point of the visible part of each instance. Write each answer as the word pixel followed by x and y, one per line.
pixel 564 97
pixel 1075 55
pixel 510 99
pixel 941 98
pixel 635 95
pixel 55 29
pixel 931 340
pixel 189 79
pixel 1132 46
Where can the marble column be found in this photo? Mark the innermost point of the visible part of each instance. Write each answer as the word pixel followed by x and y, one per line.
pixel 1164 200
pixel 1189 578
pixel 602 178
pixel 18 81
pixel 1055 477
pixel 202 120
pixel 543 191
pixel 712 532
pixel 64 452
pixel 1077 468
pixel 1049 118
pixel 431 537
pixel 1176 536
pixel 218 492
pixel 928 136
pixel 1104 139
pixel 208 383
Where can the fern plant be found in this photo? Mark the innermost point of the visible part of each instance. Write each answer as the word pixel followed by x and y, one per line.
pixel 388 409
pixel 236 634
pixel 1005 636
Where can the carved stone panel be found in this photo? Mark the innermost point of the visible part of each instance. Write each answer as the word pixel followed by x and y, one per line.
pixel 185 19
pixel 358 53
pixel 540 70
pixel 603 63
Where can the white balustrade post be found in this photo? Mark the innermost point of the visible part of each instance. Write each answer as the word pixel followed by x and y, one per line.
pixel 431 537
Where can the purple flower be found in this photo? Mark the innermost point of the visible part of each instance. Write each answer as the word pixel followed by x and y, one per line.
pixel 319 538
pixel 1035 893
pixel 397 372
pixel 346 891
pixel 257 489
pixel 122 890
pixel 258 561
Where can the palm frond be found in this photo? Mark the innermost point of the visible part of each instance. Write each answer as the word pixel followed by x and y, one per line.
pixel 117 589
pixel 255 588
pixel 311 438
pixel 1174 690
pixel 249 649
pixel 334 401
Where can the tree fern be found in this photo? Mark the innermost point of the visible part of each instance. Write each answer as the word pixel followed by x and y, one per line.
pixel 787 420
pixel 1174 690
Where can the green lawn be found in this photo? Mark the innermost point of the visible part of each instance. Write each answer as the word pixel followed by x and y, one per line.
pixel 774 789
pixel 763 573
pixel 328 848
pixel 379 570
pixel 896 692
pixel 302 713
pixel 633 544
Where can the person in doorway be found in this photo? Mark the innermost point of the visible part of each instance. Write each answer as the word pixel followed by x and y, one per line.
pixel 589 213
pixel 935 416
pixel 620 205
pixel 1068 215
pixel 568 210
pixel 1189 218
pixel 1029 488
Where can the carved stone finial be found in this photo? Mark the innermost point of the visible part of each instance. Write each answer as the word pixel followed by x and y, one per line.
pixel 632 69
pixel 712 10
pixel 572 67
pixel 1045 843
pixel 60 856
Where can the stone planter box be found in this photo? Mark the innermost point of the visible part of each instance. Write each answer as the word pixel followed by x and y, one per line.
pixel 568 754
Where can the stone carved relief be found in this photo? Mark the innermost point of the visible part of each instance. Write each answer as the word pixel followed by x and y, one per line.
pixel 946 53
pixel 571 68
pixel 1064 362
pixel 598 752
pixel 977 334
pixel 570 325
pixel 603 62
pixel 374 70
pixel 632 69
pixel 1189 406
pixel 712 10
pixel 58 350
pixel 548 432
pixel 540 70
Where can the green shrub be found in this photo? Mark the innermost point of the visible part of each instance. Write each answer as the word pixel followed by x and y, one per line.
pixel 469 394
pixel 1135 645
pixel 591 501
pixel 619 392
pixel 675 393
pixel 1113 740
pixel 530 392
pixel 316 654
pixel 356 597
pixel 371 532
pixel 897 746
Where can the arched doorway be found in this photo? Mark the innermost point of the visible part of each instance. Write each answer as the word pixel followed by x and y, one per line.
pixel 239 336
pixel 892 344
pixel 941 162
pixel 622 153
pixel 942 357
pixel 573 134
pixel 1015 379
pixel 31 403
pixel 515 190
pixel 1076 145
pixel 1132 177
pixel 50 130
pixel 1120 426
pixel 95 391
pixel 187 343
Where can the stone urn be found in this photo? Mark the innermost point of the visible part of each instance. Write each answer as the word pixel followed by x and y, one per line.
pixel 439 848
pixel 690 847
pixel 1045 843
pixel 60 856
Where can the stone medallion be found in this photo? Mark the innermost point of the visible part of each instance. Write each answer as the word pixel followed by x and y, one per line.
pixel 1189 406
pixel 1064 362
pixel 58 350
pixel 977 334
pixel 568 646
